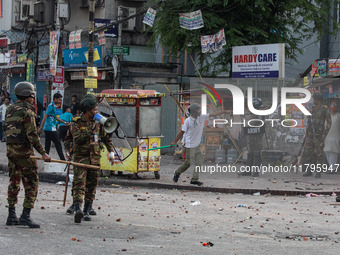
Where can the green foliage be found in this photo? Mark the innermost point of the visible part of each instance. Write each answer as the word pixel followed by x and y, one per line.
pixel 245 22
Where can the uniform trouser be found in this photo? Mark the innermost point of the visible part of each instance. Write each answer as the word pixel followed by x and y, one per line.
pixel 85 182
pixel 24 169
pixel 314 149
pixel 194 156
pixel 53 136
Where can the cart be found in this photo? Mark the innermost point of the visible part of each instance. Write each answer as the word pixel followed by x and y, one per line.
pixel 139 115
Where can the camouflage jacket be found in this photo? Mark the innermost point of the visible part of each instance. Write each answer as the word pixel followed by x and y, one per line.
pixel 21 130
pixel 84 139
pixel 320 120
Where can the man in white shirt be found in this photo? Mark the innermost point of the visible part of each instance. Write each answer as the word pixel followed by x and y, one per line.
pixel 3 109
pixel 193 130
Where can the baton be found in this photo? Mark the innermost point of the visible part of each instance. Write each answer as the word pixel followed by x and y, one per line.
pixel 67 178
pixel 69 162
pixel 157 148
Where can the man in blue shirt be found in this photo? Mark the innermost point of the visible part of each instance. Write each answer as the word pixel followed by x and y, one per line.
pixel 49 124
pixel 66 116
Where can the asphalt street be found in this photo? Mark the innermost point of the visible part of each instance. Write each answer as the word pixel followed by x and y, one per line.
pixel 142 221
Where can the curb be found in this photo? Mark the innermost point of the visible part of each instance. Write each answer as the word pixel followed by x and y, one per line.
pixel 48 177
pixel 53 178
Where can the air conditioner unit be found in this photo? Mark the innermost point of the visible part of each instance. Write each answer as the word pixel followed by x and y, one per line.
pixel 125 12
pixel 26 9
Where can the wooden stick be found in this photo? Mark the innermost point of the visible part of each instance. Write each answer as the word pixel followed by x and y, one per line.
pixel 69 162
pixel 65 193
pixel 170 93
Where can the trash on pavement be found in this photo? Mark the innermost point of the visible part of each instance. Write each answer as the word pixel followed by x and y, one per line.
pixel 193 203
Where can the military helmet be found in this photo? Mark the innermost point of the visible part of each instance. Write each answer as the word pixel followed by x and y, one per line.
pixel 317 96
pixel 257 102
pixel 194 108
pixel 87 103
pixel 24 89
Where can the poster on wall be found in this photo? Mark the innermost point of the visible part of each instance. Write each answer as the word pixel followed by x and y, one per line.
pixel 54 42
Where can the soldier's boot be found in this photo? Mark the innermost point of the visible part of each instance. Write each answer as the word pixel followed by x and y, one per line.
pixel 91 210
pixel 70 210
pixel 79 213
pixel 86 212
pixel 12 218
pixel 257 162
pixel 250 160
pixel 25 219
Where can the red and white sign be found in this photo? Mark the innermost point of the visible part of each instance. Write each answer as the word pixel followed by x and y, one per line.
pixel 3 42
pixel 58 79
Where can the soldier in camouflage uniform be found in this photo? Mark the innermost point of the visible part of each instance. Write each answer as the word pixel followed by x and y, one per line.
pixel 254 141
pixel 21 138
pixel 317 130
pixel 87 135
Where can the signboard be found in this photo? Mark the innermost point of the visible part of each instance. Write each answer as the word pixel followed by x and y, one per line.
pixel 3 42
pixel 333 65
pixel 58 79
pixel 77 57
pixel 109 32
pixel 44 75
pixel 91 83
pixel 259 61
pixel 121 50
pixel 92 71
pixel 29 71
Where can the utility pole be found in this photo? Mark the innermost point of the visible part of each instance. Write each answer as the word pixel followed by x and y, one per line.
pixel 91 35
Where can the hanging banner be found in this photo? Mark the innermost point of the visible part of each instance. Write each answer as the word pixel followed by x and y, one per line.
pixel 77 38
pixel 12 58
pixel 149 17
pixel 71 40
pixel 54 42
pixel 29 71
pixel 213 43
pixel 191 20
pixel 58 78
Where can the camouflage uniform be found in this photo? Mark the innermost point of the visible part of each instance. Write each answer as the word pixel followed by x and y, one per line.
pixel 86 150
pixel 255 144
pixel 315 130
pixel 21 137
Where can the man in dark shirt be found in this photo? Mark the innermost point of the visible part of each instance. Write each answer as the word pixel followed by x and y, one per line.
pixel 74 106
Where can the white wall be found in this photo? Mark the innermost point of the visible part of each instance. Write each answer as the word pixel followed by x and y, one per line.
pixel 5 21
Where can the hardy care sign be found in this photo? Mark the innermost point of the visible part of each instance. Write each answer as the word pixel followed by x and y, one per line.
pixel 259 61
